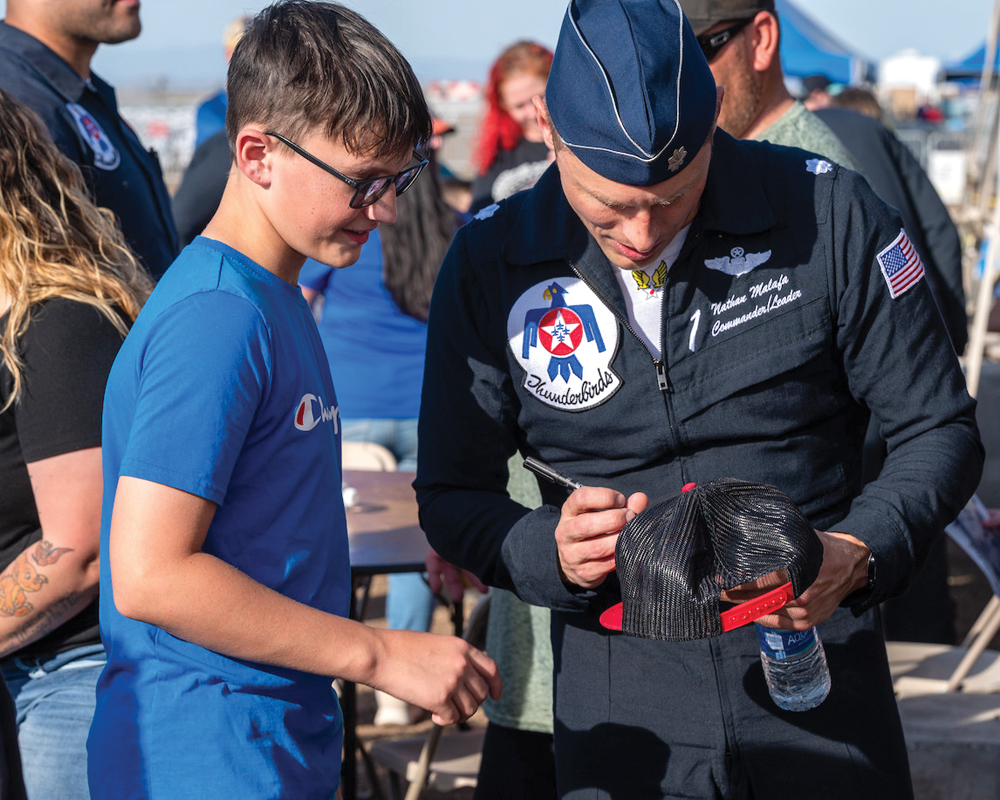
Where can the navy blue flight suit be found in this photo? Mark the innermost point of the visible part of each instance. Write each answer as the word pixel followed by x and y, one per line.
pixel 781 335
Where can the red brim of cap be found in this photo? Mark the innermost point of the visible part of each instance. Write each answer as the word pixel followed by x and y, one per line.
pixel 736 617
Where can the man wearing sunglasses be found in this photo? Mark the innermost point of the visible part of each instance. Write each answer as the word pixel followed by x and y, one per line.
pixel 740 40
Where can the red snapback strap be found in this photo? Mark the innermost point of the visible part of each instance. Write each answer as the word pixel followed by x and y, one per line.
pixel 758 607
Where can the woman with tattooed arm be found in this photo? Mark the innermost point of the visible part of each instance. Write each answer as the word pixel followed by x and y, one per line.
pixel 69 289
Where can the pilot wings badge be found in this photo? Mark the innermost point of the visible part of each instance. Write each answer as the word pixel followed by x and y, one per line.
pixel 738 262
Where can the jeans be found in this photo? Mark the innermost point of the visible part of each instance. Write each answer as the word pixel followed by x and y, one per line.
pixel 409 604
pixel 55 701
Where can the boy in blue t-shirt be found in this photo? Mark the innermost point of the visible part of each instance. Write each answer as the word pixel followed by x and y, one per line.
pixel 225 578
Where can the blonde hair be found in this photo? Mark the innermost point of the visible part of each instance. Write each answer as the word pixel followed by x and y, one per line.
pixel 234 32
pixel 54 242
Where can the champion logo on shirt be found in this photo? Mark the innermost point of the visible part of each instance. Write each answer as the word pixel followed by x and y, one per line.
pixel 311 412
pixel 106 156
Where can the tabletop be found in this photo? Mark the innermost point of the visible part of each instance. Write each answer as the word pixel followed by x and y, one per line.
pixel 382 525
pixel 385 537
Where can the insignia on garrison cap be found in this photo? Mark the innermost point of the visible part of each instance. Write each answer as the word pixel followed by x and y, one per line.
pixel 677 159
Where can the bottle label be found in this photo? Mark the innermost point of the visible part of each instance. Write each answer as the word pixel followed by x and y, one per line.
pixel 781 644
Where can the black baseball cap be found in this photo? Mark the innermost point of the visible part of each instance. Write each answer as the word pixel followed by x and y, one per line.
pixel 676 558
pixel 703 14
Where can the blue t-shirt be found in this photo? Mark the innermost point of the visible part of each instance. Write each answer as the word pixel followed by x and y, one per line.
pixel 376 351
pixel 222 390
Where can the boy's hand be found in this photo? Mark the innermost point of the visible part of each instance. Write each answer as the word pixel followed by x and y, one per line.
pixel 443 574
pixel 591 519
pixel 444 674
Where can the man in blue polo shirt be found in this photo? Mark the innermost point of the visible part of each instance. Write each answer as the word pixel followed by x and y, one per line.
pixel 45 62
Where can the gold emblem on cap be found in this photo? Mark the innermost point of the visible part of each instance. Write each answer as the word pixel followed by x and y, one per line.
pixel 677 159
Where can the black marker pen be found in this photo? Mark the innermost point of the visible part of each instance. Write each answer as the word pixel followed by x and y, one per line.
pixel 551 474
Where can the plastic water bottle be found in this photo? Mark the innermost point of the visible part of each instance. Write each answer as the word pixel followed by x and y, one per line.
pixel 795 668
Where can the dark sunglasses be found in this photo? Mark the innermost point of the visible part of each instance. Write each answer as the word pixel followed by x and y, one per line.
pixel 712 44
pixel 369 190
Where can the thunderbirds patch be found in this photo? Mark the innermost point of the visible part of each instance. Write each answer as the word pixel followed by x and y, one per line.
pixel 565 339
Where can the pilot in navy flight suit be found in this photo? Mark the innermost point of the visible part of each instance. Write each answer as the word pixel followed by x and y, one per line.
pixel 791 307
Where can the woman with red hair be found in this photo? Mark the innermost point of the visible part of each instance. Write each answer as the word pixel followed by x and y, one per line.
pixel 510 154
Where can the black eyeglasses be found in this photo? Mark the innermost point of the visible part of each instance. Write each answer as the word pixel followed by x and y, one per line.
pixel 369 190
pixel 711 44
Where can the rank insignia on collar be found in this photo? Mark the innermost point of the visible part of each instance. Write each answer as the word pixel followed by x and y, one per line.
pixel 818 166
pixel 647 285
pixel 487 212
pixel 676 161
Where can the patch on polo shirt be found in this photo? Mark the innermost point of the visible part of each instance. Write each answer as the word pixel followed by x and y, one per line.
pixel 565 338
pixel 901 266
pixel 106 155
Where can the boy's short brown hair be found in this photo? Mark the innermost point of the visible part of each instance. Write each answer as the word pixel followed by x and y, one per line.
pixel 305 65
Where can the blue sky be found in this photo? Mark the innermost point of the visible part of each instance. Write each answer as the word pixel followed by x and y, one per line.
pixel 458 38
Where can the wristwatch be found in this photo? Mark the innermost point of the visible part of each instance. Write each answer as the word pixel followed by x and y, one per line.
pixel 871 569
pixel 861 595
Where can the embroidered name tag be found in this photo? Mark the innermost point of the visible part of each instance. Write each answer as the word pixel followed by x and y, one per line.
pixel 565 338
pixel 757 301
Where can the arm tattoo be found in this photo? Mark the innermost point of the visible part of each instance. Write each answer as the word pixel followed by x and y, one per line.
pixel 46 620
pixel 22 577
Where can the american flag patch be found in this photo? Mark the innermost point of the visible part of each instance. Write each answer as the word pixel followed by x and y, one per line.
pixel 901 265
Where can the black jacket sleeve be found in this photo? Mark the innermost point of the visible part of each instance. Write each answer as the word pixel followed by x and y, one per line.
pixel 943 248
pixel 899 362
pixel 197 198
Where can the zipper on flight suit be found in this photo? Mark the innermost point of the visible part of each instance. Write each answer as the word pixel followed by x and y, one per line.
pixel 661 376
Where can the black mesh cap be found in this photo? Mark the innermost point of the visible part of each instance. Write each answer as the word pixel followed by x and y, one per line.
pixel 676 558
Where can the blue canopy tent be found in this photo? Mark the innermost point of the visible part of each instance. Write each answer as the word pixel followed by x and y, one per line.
pixel 970 68
pixel 808 49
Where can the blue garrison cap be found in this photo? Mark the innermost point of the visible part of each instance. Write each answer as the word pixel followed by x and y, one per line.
pixel 630 92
